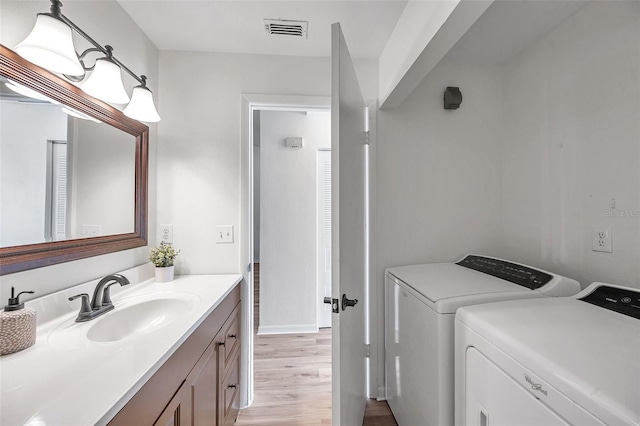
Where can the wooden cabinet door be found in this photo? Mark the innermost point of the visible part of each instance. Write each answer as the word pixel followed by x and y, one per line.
pixel 203 383
pixel 178 411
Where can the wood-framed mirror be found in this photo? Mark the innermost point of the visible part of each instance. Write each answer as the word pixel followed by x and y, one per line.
pixel 89 200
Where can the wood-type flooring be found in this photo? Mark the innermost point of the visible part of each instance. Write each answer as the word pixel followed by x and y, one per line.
pixel 292 380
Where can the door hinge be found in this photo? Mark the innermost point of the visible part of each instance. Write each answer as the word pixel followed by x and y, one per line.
pixel 367 350
pixel 367 137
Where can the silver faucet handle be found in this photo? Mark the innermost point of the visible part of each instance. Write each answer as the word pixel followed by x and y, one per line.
pixel 85 306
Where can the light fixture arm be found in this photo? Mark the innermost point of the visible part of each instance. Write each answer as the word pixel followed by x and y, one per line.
pixel 56 12
pixel 81 57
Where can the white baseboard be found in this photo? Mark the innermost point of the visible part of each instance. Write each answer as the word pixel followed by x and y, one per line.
pixel 287 329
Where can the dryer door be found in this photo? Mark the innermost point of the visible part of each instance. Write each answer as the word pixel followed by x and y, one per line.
pixel 493 398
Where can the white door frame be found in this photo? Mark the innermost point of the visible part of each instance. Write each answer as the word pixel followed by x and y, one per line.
pixel 251 102
pixel 374 293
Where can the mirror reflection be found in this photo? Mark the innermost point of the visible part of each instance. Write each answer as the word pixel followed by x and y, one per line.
pixel 63 175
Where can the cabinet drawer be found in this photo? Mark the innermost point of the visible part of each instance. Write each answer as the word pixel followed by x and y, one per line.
pixel 231 338
pixel 228 404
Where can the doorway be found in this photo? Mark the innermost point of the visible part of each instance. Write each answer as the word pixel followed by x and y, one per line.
pixel 251 103
pixel 292 266
pixel 267 103
pixel 294 270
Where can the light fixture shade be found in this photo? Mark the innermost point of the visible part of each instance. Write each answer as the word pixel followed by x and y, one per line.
pixel 105 83
pixel 75 113
pixel 141 107
pixel 50 45
pixel 28 92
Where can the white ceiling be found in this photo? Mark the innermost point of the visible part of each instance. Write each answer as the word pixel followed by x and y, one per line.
pixel 238 26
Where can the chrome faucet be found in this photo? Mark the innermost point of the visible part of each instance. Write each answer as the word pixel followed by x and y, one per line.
pixel 101 302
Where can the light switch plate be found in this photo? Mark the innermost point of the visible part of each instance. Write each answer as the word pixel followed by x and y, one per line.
pixel 224 234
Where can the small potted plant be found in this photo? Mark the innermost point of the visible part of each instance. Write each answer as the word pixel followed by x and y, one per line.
pixel 163 257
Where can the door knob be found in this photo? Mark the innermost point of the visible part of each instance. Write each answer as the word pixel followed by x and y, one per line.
pixel 346 302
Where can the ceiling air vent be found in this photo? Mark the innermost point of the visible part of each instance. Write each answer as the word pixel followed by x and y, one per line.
pixel 286 27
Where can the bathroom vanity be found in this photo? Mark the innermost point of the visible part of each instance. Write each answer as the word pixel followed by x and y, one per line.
pixel 199 383
pixel 168 353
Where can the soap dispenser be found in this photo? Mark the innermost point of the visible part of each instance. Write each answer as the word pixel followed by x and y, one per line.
pixel 17 325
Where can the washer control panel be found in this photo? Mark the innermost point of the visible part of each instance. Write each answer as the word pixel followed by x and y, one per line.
pixel 512 272
pixel 623 301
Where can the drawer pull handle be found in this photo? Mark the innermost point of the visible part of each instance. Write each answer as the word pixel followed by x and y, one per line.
pixel 221 343
pixel 233 336
pixel 232 386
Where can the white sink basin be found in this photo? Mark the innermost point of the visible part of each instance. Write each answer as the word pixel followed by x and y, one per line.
pixel 138 318
pixel 131 317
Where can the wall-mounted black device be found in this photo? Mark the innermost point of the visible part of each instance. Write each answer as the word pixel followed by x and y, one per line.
pixel 452 98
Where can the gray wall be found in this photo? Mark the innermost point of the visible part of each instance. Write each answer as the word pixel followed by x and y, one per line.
pixel 572 144
pixel 199 146
pixel 103 181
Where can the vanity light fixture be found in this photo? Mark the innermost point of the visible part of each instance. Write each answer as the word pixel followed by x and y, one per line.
pixel 72 112
pixel 29 93
pixel 50 46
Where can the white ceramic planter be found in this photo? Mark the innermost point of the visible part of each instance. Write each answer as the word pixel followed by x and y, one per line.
pixel 164 275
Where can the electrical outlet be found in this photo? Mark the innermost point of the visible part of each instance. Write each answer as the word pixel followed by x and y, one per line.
pixel 602 240
pixel 224 234
pixel 166 233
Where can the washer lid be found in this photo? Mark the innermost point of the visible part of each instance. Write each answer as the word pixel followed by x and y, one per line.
pixel 589 353
pixel 441 282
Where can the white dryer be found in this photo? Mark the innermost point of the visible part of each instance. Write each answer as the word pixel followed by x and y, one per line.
pixel 562 361
pixel 420 305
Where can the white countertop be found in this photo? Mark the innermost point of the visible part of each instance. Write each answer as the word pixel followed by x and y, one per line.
pixel 87 382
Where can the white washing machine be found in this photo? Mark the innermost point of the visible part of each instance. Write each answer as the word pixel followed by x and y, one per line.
pixel 420 305
pixel 561 361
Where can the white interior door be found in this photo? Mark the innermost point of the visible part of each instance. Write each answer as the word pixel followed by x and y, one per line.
pixel 323 178
pixel 348 235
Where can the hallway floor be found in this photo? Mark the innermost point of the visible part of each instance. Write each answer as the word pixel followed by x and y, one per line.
pixel 292 375
pixel 292 380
